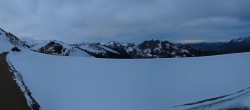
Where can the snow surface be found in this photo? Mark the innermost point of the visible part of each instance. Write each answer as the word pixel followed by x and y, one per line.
pixel 78 53
pixel 75 83
pixel 109 49
pixel 18 78
pixel 5 45
pixel 38 44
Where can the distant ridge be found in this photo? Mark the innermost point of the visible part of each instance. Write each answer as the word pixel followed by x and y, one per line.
pixel 146 49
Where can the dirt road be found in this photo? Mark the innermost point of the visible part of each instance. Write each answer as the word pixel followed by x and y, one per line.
pixel 11 97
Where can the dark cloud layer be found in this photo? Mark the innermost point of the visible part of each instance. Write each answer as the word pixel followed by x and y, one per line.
pixel 126 20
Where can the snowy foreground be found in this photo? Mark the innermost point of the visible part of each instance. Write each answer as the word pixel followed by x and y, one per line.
pixel 74 83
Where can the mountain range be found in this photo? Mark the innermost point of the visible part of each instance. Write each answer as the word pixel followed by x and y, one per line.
pixel 47 81
pixel 238 45
pixel 146 49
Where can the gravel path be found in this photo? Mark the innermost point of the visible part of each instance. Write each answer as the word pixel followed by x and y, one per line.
pixel 11 97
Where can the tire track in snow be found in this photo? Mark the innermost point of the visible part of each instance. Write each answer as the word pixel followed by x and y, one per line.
pixel 213 101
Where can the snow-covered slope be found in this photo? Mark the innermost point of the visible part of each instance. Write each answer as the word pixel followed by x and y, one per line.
pixel 75 83
pixel 5 45
pixel 55 47
pixel 8 41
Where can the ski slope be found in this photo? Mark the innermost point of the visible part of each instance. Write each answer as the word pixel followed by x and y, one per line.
pixel 75 83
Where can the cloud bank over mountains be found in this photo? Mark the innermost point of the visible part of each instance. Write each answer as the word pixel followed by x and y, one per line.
pixel 126 20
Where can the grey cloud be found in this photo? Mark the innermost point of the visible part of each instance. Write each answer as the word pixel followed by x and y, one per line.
pixel 126 20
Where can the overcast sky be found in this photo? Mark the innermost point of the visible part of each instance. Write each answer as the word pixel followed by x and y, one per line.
pixel 126 20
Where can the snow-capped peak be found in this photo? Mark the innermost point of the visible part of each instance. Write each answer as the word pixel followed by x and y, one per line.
pixel 241 39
